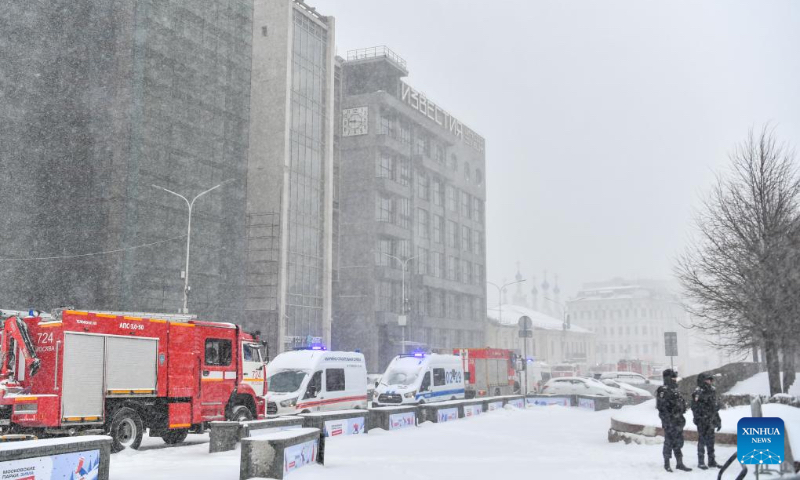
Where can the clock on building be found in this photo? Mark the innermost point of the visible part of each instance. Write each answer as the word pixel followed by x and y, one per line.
pixel 355 121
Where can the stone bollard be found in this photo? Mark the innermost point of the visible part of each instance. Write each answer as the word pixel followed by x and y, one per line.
pixel 91 454
pixel 260 427
pixel 441 412
pixel 224 436
pixel 517 401
pixel 492 404
pixel 393 418
pixel 594 402
pixel 337 422
pixel 276 454
pixel 472 408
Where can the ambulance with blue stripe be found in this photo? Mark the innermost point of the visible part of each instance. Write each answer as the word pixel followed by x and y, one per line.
pixel 419 378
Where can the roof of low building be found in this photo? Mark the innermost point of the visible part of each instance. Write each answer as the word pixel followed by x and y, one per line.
pixel 512 314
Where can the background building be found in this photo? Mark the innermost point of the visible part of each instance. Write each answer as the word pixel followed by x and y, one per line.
pixel 630 318
pixel 290 174
pixel 98 101
pixel 411 192
pixel 553 341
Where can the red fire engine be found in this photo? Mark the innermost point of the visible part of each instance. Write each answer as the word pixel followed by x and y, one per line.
pixel 488 371
pixel 637 366
pixel 119 374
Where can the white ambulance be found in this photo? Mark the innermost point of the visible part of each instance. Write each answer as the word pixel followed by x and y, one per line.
pixel 420 378
pixel 315 380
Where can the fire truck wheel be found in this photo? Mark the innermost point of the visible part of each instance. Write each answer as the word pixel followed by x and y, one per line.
pixel 496 392
pixel 174 437
pixel 240 413
pixel 126 430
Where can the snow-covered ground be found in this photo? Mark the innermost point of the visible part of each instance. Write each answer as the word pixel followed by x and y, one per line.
pixel 543 442
pixel 758 384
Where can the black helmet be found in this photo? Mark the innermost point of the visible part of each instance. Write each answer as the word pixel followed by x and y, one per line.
pixel 669 373
pixel 701 378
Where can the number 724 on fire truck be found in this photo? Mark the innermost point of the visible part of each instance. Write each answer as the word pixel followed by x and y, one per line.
pixel 79 372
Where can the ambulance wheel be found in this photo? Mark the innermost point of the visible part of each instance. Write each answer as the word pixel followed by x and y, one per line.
pixel 174 437
pixel 240 413
pixel 126 430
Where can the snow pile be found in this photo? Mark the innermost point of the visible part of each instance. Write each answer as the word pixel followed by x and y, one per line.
pixel 545 442
pixel 758 384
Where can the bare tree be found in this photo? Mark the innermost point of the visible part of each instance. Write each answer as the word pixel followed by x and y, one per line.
pixel 741 271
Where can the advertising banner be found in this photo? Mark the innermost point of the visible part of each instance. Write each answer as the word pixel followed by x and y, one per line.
pixel 299 455
pixel 402 420
pixel 447 414
pixel 472 410
pixel 547 401
pixel 760 440
pixel 344 426
pixel 586 403
pixel 492 406
pixel 517 403
pixel 65 466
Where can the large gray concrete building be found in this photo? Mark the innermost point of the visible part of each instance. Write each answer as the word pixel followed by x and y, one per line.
pixel 290 179
pixel 99 101
pixel 411 193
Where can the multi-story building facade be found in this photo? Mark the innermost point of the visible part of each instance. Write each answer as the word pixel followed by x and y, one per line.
pixel 629 320
pixel 411 223
pixel 290 174
pixel 100 101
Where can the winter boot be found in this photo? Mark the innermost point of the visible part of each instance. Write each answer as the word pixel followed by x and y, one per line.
pixel 681 466
pixel 701 464
pixel 712 462
pixel 666 465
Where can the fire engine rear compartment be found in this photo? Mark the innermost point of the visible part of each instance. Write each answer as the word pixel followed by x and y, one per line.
pixel 96 366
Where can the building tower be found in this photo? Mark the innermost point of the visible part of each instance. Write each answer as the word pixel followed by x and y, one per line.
pixel 546 300
pixel 519 297
pixel 534 295
pixel 290 174
pixel 411 215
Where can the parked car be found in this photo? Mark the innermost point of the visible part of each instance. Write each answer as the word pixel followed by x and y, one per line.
pixel 631 378
pixel 585 386
pixel 635 395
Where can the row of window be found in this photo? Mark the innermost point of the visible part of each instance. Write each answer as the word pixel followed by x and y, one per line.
pixel 389 252
pixel 461 237
pixel 630 349
pixel 428 187
pixel 627 330
pixel 393 126
pixel 427 302
pixel 634 313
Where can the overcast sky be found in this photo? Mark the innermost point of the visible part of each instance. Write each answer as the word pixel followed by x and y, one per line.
pixel 604 121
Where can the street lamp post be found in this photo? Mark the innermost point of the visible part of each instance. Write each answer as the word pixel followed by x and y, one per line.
pixel 500 310
pixel 404 263
pixel 189 204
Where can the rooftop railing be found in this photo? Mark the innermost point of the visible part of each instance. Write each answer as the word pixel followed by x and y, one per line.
pixel 375 52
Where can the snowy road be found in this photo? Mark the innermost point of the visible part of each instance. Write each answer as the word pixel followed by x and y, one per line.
pixel 547 442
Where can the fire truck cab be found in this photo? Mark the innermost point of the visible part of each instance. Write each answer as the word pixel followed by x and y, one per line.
pixel 115 373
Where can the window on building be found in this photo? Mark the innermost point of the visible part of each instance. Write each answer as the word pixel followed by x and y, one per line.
pixel 385 295
pixel 467 175
pixel 466 204
pixel 644 329
pixel 404 172
pixel 453 162
pixel 405 133
pixel 452 234
pixel 477 209
pixel 438 192
pixel 419 145
pixel 438 226
pixel 403 212
pixel 436 264
pixel 423 223
pixel 466 271
pixel 478 176
pixel 423 186
pixel 385 166
pixel 384 209
pixel 402 250
pixel 477 242
pixel 421 261
pixel 387 125
pixel 452 268
pixel 438 153
pixel 466 238
pixel 452 198
pixel 382 251
pixel 479 274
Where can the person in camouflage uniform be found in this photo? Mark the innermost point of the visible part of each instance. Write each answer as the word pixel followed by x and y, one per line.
pixel 706 416
pixel 671 407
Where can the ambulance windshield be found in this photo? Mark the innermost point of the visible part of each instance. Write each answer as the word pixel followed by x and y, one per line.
pixel 403 371
pixel 286 381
